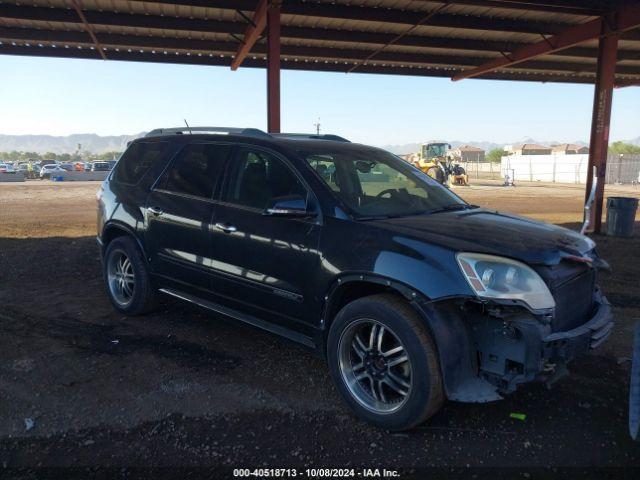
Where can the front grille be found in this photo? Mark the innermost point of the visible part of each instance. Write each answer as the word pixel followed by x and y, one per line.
pixel 572 286
pixel 574 302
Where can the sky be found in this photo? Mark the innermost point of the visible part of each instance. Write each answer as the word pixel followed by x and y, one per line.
pixel 65 96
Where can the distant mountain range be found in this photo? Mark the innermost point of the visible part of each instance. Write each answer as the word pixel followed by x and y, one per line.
pixel 91 142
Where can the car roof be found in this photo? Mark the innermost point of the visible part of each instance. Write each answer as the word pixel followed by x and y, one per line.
pixel 292 142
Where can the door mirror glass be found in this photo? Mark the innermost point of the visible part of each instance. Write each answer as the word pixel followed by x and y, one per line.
pixel 287 206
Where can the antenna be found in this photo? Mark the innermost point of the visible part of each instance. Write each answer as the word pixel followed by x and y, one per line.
pixel 185 122
pixel 317 125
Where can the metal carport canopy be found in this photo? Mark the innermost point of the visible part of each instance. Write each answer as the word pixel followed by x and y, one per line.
pixel 339 35
pixel 574 41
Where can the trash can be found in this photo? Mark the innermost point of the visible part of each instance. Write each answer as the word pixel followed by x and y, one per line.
pixel 621 216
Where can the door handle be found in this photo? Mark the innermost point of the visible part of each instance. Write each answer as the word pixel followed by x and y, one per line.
pixel 225 227
pixel 155 211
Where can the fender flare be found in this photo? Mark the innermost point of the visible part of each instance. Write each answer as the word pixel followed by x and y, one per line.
pixel 456 353
pixel 116 225
pixel 331 297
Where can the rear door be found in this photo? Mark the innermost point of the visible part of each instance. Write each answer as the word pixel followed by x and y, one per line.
pixel 265 264
pixel 179 211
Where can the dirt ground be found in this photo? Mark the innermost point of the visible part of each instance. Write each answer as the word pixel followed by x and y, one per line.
pixel 81 386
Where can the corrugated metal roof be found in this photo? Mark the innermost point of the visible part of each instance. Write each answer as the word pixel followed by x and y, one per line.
pixel 330 35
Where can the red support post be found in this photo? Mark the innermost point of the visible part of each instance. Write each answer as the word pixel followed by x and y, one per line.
pixel 601 119
pixel 273 67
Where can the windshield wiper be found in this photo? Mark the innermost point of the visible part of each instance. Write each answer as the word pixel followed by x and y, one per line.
pixel 446 208
pixel 372 217
pixel 453 207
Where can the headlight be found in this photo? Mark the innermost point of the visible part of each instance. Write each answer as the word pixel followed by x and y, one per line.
pixel 506 279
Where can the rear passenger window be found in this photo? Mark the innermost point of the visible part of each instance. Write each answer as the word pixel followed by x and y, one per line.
pixel 196 169
pixel 137 160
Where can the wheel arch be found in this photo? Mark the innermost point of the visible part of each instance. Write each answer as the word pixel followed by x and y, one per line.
pixel 351 287
pixel 113 230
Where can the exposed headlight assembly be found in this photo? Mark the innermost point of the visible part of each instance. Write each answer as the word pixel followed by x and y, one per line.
pixel 505 279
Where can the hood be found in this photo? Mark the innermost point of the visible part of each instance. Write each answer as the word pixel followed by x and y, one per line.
pixel 494 233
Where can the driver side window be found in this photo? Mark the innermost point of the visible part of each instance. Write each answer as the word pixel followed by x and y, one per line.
pixel 257 177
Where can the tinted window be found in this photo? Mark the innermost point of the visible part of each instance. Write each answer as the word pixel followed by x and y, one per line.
pixel 137 160
pixel 373 182
pixel 196 169
pixel 258 177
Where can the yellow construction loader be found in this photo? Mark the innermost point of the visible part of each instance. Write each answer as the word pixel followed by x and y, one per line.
pixel 433 160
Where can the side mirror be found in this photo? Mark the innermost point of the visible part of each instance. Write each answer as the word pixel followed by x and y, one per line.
pixel 287 206
pixel 364 167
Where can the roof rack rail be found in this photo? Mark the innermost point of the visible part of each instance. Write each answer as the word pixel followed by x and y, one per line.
pixel 250 132
pixel 311 136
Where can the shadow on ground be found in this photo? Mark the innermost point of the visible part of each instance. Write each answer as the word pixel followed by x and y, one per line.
pixel 182 387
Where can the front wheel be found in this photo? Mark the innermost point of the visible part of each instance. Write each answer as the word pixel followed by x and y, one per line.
pixel 384 362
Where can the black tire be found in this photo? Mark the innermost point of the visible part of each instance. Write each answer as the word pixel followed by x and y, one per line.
pixel 425 395
pixel 144 296
pixel 437 174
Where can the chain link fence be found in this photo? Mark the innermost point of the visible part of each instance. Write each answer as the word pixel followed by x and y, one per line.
pixel 482 170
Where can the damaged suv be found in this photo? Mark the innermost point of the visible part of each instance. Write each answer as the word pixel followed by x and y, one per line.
pixel 413 295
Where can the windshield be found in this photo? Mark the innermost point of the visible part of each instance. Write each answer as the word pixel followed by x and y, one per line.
pixel 434 150
pixel 375 183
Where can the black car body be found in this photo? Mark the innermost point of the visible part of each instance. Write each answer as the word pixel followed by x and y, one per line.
pixel 293 273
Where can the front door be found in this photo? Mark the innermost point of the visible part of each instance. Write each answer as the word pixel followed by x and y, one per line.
pixel 265 264
pixel 179 211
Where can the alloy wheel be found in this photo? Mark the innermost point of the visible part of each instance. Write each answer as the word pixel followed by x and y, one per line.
pixel 375 366
pixel 121 278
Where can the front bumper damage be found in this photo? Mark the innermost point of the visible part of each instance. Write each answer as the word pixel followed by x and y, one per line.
pixel 508 348
pixel 521 348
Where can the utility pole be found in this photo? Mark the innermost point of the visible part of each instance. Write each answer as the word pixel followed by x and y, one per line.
pixel 317 125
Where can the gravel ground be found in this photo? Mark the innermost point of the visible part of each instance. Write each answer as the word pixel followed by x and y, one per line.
pixel 81 386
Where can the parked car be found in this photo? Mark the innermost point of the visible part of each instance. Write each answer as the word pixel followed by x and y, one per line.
pixel 412 295
pixel 51 169
pixel 69 167
pixel 48 162
pixel 112 163
pixel 6 168
pixel 100 167
pixel 24 169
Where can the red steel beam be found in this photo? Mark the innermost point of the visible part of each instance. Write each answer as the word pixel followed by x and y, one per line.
pixel 252 33
pixel 601 119
pixel 273 68
pixel 88 27
pixel 623 19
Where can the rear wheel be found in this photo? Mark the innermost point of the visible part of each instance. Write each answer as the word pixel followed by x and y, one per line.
pixel 127 278
pixel 384 362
